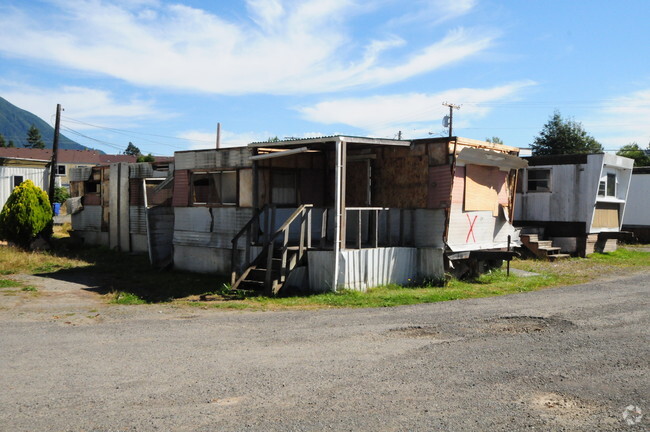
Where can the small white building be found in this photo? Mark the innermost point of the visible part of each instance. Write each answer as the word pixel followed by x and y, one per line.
pixel 575 201
pixel 637 211
pixel 14 171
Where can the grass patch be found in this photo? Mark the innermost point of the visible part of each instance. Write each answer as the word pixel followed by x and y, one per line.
pixel 29 288
pixel 129 279
pixel 126 298
pixel 7 283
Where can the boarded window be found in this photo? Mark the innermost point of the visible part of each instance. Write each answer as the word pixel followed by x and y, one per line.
pixel 283 191
pixel 214 188
pixel 482 184
pixel 539 180
pixel 60 169
pixel 606 215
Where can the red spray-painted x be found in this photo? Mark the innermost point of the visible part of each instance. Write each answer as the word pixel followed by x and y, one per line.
pixel 471 228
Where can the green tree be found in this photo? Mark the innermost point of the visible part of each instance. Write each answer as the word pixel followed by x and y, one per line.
pixel 60 194
pixel 3 142
pixel 147 158
pixel 494 140
pixel 633 151
pixel 560 136
pixel 11 144
pixel 26 214
pixel 132 150
pixel 34 138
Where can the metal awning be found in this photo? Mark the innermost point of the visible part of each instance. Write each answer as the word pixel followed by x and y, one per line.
pixel 503 161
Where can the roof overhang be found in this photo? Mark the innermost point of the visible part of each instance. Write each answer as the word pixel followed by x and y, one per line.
pixel 24 162
pixel 503 161
pixel 331 140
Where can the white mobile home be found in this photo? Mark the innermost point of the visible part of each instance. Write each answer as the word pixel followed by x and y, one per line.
pixel 637 210
pixel 14 171
pixel 575 201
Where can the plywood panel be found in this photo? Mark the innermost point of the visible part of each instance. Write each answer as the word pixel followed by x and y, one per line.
pixel 439 187
pixel 606 215
pixel 246 188
pixel 481 188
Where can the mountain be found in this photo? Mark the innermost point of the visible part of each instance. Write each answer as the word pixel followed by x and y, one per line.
pixel 15 122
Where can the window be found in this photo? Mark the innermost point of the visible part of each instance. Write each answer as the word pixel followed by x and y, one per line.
pixel 214 188
pixel 607 185
pixel 539 180
pixel 60 169
pixel 17 180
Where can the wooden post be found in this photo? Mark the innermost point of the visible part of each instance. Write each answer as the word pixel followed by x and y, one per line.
pixel 375 229
pixel 388 228
pixel 301 244
pixel 55 150
pixel 309 228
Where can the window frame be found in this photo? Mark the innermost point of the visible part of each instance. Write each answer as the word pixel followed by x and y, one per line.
pixel 210 176
pixel 548 180
pixel 608 181
pixel 58 170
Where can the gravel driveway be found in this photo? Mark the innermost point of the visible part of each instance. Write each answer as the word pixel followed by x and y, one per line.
pixel 565 359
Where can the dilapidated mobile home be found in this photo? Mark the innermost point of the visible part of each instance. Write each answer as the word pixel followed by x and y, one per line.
pixel 637 211
pixel 343 212
pixel 572 203
pixel 120 206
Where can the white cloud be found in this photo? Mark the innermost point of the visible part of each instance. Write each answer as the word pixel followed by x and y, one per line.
pixel 622 120
pixel 80 103
pixel 435 12
pixel 285 47
pixel 414 113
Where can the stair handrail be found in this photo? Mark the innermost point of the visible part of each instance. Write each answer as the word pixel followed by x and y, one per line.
pixel 305 212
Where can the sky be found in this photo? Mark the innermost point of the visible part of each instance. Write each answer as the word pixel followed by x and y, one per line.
pixel 162 74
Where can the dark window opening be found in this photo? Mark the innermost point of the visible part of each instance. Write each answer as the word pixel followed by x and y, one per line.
pixel 539 180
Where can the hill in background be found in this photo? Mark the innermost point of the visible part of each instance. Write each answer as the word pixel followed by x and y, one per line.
pixel 15 122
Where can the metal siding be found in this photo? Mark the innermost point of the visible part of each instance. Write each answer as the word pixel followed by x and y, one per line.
pixel 140 170
pixel 458 187
pixel 361 269
pixel 37 175
pixel 637 211
pixel 431 263
pixel 196 219
pixel 429 227
pixel 161 232
pixel 201 259
pixel 137 220
pixel 88 219
pixel 213 159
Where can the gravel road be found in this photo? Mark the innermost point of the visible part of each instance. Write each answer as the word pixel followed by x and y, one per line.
pixel 565 359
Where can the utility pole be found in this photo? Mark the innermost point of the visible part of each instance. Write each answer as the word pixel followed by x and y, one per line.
pixel 218 135
pixel 55 149
pixel 451 114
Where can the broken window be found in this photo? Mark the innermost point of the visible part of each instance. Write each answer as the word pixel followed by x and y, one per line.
pixel 539 180
pixel 214 188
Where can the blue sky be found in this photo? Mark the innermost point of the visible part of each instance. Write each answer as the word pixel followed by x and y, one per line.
pixel 161 74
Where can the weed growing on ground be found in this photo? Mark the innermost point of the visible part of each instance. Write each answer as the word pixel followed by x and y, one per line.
pixel 125 298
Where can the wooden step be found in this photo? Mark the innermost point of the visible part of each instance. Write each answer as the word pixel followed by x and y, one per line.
pixel 558 256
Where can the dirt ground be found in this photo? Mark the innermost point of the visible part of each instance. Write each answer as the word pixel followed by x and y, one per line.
pixel 567 359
